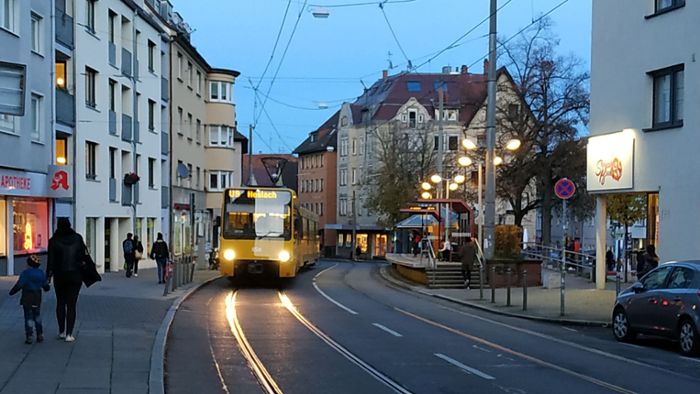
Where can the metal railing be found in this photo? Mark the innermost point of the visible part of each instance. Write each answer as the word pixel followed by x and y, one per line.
pixel 179 271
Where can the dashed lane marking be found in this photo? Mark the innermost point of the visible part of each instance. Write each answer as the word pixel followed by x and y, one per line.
pixel 465 368
pixel 390 331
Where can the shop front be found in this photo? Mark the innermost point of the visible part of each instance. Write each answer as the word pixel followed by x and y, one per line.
pixel 370 243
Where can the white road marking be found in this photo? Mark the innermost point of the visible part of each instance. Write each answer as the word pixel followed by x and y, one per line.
pixel 326 296
pixel 390 331
pixel 569 329
pixel 691 359
pixel 465 368
pixel 387 381
pixel 477 347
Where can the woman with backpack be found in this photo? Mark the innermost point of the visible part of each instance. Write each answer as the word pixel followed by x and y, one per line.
pixel 138 255
pixel 160 253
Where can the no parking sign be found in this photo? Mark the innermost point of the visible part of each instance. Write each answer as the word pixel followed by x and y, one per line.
pixel 565 188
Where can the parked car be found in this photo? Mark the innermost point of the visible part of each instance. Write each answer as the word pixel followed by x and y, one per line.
pixel 664 302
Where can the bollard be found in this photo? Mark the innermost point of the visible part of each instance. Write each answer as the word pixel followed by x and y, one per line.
pixel 524 290
pixel 509 274
pixel 481 281
pixel 493 287
pixel 562 288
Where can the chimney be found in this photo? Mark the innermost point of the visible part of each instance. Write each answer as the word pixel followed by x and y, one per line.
pixel 385 74
pixel 464 70
pixel 486 66
pixel 447 70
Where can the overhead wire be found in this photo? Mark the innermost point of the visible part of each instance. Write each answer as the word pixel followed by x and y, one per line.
pixel 393 33
pixel 362 4
pixel 277 40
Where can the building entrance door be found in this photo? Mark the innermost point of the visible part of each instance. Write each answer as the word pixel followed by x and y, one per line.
pixel 107 235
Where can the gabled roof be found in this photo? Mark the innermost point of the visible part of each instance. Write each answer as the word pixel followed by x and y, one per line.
pixel 320 139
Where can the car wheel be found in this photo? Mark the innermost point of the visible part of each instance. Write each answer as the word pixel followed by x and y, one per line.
pixel 688 338
pixel 621 326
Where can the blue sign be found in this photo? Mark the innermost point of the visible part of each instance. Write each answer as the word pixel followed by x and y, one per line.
pixel 565 188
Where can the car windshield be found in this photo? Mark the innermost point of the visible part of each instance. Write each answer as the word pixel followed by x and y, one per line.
pixel 255 214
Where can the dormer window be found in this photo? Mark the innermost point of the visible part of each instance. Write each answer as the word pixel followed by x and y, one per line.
pixel 413 86
pixel 313 137
pixel 412 118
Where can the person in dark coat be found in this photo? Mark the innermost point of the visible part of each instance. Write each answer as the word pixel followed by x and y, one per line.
pixel 129 249
pixel 651 260
pixel 138 255
pixel 160 253
pixel 468 258
pixel 641 270
pixel 65 260
pixel 31 281
pixel 609 260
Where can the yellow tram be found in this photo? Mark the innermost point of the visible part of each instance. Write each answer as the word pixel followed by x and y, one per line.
pixel 264 231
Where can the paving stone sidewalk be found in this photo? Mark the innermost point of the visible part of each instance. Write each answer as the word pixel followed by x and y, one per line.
pixel 583 304
pixel 115 330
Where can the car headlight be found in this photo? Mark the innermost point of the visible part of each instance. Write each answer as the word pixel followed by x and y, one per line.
pixel 229 254
pixel 284 256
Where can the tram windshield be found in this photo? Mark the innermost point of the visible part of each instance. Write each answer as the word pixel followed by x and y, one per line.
pixel 256 214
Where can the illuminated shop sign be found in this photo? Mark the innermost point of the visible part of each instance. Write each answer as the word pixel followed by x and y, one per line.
pixel 610 162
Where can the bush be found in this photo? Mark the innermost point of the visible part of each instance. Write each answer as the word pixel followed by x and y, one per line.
pixel 508 239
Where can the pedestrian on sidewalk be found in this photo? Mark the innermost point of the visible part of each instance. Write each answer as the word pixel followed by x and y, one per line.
pixel 129 249
pixel 138 255
pixel 467 257
pixel 651 260
pixel 31 281
pixel 160 253
pixel 67 252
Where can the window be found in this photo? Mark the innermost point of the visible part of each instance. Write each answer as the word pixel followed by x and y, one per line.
pixel 90 79
pixel 151 56
pixel 35 117
pixel 112 18
pixel 189 74
pixel 321 184
pixel 681 278
pixel 220 91
pixel 36 33
pixel 151 173
pixel 179 66
pixel 180 120
pixel 219 180
pixel 90 160
pixel 112 95
pixel 453 142
pixel 513 111
pixel 413 86
pixel 354 176
pixel 343 147
pixel 90 16
pixel 656 279
pixel 220 136
pixel 199 174
pixel 668 97
pixel 320 210
pixel 343 177
pixel 354 147
pixel 436 143
pixel 179 178
pixel 61 151
pixel 61 82
pixel 199 82
pixel 190 126
pixel 8 14
pixel 412 118
pixel 343 207
pixel 190 175
pixel 151 115
pixel 667 5
pixel 112 163
pixel 31 225
pixel 198 132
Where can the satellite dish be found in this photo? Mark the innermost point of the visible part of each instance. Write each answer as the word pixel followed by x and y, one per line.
pixel 182 171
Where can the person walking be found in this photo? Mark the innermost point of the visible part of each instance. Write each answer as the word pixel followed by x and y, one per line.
pixel 651 260
pixel 129 249
pixel 138 255
pixel 609 260
pixel 31 281
pixel 65 259
pixel 467 257
pixel 160 253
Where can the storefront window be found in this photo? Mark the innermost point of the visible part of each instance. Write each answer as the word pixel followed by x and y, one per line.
pixel 91 234
pixel 139 229
pixel 340 240
pixel 362 242
pixel 150 233
pixel 177 236
pixel 3 227
pixel 31 225
pixel 380 244
pixel 653 219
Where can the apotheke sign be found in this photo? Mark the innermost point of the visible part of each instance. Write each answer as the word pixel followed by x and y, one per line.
pixel 610 163
pixel 21 183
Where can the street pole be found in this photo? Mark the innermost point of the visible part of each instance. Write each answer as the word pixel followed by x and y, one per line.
pixel 447 212
pixel 441 150
pixel 481 206
pixel 135 124
pixel 490 211
pixel 354 228
pixel 251 177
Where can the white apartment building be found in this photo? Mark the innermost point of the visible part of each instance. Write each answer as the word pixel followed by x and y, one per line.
pixel 117 74
pixel 644 138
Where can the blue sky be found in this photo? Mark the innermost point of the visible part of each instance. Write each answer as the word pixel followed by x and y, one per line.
pixel 327 58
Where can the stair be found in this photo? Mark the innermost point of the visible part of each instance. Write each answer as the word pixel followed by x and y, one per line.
pixel 449 276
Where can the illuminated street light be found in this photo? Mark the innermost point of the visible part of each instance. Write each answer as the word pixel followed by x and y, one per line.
pixel 497 161
pixel 464 161
pixel 454 187
pixel 426 196
pixel 426 186
pixel 460 179
pixel 468 144
pixel 513 144
pixel 436 179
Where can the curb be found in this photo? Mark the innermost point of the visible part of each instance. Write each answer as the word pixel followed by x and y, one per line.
pixel 156 375
pixel 569 322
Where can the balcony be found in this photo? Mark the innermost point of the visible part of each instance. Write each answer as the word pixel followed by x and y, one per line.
pixel 164 197
pixel 64 28
pixel 112 54
pixel 164 89
pixel 65 107
pixel 127 128
pixel 164 144
pixel 126 63
pixel 126 195
pixel 112 122
pixel 112 190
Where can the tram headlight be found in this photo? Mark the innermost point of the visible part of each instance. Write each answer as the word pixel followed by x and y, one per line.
pixel 284 256
pixel 229 254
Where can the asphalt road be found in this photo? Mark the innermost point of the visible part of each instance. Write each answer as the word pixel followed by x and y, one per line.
pixel 339 328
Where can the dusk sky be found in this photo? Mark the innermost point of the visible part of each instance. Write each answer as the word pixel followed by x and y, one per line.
pixel 327 58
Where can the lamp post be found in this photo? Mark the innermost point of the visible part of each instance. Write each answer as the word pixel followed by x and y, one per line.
pixel 490 211
pixel 450 185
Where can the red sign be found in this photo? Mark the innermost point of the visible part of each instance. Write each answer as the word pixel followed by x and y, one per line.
pixel 611 169
pixel 15 182
pixel 564 188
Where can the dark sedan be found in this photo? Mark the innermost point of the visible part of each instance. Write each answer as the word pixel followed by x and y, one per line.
pixel 665 302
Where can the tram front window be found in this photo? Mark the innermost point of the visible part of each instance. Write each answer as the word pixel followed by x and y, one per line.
pixel 255 214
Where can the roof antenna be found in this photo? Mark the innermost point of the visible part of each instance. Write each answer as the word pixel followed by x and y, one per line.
pixel 363 84
pixel 391 64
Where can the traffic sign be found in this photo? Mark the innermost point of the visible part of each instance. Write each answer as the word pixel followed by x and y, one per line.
pixel 565 188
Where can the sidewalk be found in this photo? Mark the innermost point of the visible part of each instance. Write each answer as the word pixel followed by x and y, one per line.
pixel 583 305
pixel 117 323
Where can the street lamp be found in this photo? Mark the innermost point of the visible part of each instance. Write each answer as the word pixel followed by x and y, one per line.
pixel 426 195
pixel 513 144
pixel 454 186
pixel 497 161
pixel 464 161
pixel 436 179
pixel 468 144
pixel 426 186
pixel 460 179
